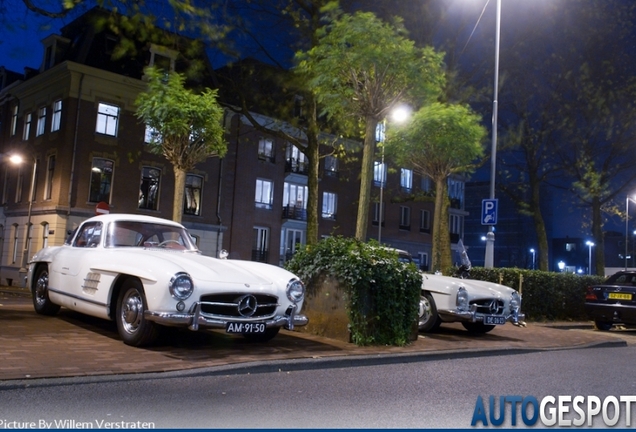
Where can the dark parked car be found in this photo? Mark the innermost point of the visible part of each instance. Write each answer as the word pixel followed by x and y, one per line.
pixel 613 302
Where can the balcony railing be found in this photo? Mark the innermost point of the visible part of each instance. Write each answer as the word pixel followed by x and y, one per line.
pixel 260 255
pixel 294 212
pixel 295 166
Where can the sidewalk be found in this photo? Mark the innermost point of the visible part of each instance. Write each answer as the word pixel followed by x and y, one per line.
pixel 70 344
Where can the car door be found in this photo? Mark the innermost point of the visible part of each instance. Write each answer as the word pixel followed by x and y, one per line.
pixel 71 267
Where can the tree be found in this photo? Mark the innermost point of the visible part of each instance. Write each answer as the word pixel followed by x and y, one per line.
pixel 359 70
pixel 294 24
pixel 439 141
pixel 187 127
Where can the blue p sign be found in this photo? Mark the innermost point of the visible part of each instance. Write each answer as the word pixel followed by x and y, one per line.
pixel 489 212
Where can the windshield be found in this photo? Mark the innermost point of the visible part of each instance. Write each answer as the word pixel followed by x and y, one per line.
pixel 145 234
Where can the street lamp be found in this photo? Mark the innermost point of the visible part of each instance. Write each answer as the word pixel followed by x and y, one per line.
pixel 490 241
pixel 627 199
pixel 589 268
pixel 17 159
pixel 532 252
pixel 399 115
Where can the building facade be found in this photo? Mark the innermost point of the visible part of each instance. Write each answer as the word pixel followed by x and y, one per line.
pixel 74 122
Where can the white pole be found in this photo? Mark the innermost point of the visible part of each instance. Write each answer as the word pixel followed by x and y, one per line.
pixel 490 237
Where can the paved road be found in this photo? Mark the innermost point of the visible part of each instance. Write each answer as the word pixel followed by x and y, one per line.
pixel 70 345
pixel 430 393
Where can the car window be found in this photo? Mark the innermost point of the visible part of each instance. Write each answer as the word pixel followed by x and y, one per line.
pixel 622 279
pixel 89 235
pixel 144 234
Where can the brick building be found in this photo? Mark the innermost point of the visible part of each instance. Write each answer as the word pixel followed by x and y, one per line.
pixel 74 121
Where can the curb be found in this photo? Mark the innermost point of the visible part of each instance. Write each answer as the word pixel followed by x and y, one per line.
pixel 294 365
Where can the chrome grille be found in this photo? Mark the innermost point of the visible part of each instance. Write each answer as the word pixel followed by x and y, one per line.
pixel 489 306
pixel 226 305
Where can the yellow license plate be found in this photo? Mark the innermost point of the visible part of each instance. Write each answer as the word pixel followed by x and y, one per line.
pixel 619 296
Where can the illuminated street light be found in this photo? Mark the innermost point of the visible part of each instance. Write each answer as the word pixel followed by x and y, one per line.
pixel 18 159
pixel 589 268
pixel 490 242
pixel 532 252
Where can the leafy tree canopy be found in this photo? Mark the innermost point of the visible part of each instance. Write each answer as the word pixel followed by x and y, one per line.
pixel 363 67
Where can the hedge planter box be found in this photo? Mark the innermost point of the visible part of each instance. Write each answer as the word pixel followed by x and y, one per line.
pixel 326 308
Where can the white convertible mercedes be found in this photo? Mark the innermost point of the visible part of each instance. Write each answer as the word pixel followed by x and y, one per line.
pixel 480 306
pixel 146 272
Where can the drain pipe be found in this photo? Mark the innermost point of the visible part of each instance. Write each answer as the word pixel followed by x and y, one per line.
pixel 75 138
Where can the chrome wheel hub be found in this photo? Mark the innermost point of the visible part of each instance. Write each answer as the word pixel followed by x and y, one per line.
pixel 132 312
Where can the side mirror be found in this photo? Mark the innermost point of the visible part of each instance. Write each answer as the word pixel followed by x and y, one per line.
pixel 223 254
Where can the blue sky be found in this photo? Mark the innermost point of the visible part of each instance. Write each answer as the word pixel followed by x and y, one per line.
pixel 20 35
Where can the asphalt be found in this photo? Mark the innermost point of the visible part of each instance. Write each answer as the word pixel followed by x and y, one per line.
pixel 34 347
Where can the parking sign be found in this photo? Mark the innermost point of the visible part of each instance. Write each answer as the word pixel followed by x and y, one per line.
pixel 489 212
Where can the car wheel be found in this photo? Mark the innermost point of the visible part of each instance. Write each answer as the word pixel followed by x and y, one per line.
pixel 477 327
pixel 132 325
pixel 428 319
pixel 269 334
pixel 602 325
pixel 40 292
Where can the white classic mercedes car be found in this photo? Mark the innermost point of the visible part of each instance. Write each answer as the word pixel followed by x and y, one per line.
pixel 479 305
pixel 146 272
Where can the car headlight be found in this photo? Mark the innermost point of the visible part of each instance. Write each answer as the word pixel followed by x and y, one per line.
pixel 462 299
pixel 515 301
pixel 181 286
pixel 295 290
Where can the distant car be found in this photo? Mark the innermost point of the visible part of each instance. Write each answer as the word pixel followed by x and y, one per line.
pixel 145 272
pixel 480 306
pixel 613 301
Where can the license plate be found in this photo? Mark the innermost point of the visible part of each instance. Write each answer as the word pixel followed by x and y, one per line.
pixel 252 328
pixel 619 296
pixel 493 319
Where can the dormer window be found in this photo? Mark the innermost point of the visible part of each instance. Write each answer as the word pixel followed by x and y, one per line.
pixel 162 57
pixel 54 47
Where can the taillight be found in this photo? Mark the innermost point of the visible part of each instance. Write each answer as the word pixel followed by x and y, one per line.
pixel 589 295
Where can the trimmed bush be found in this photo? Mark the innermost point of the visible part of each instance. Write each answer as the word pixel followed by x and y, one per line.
pixel 381 294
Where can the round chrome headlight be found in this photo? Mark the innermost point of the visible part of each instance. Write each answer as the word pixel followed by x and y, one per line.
pixel 295 290
pixel 462 299
pixel 181 286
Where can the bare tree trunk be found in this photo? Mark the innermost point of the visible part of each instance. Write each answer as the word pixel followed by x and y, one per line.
pixel 599 241
pixel 179 189
pixel 366 177
pixel 313 157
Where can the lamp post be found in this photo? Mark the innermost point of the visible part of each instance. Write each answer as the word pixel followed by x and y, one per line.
pixel 399 115
pixel 589 265
pixel 532 252
pixel 627 199
pixel 17 159
pixel 490 238
pixel 380 136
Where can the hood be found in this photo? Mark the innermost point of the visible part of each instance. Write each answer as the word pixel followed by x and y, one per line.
pixel 205 268
pixel 487 289
pixel 475 288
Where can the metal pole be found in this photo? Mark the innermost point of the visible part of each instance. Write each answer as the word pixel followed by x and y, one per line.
pixel 27 235
pixel 382 174
pixel 626 228
pixel 490 237
pixel 589 265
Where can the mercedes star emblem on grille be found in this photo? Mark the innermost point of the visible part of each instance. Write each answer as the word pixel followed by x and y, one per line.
pixel 247 305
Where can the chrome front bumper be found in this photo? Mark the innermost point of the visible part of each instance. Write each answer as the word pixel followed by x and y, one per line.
pixel 453 315
pixel 194 319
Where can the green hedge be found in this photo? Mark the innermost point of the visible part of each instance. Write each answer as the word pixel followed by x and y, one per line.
pixel 545 295
pixel 382 294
